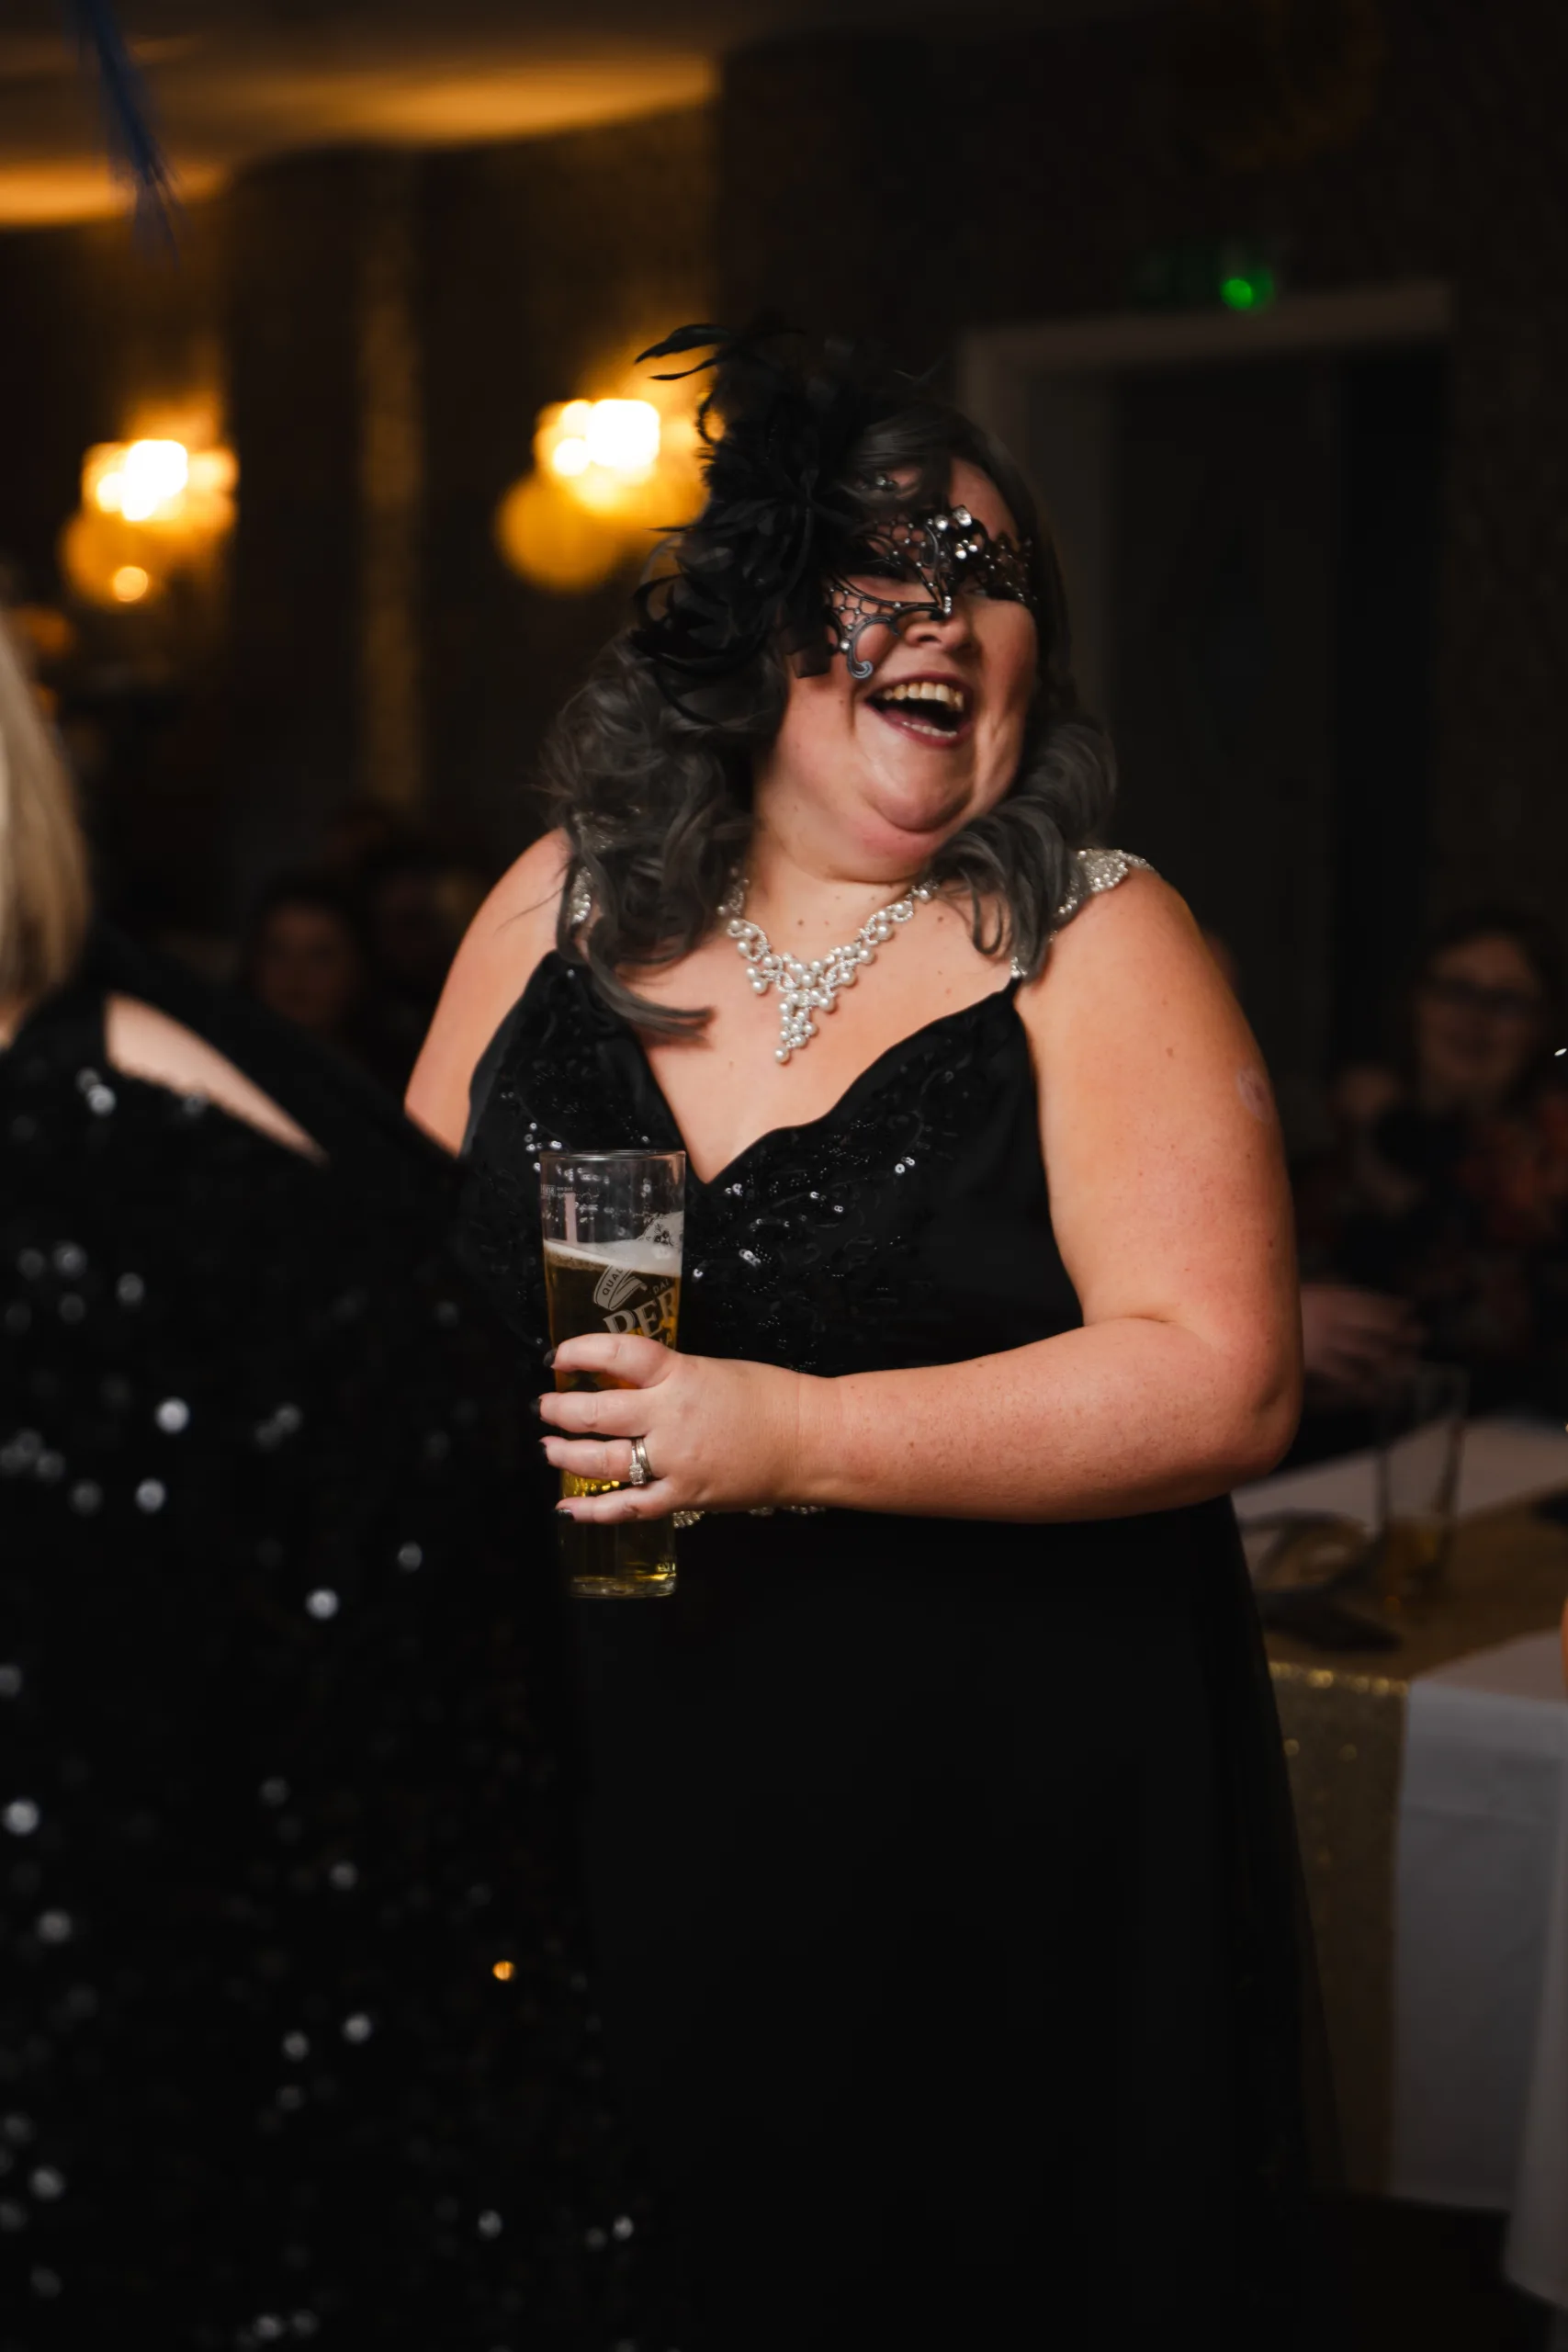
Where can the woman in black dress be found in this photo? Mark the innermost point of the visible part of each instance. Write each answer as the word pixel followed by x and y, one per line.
pixel 295 2040
pixel 941 1848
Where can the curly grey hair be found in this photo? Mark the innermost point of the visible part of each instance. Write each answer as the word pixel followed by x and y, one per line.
pixel 654 792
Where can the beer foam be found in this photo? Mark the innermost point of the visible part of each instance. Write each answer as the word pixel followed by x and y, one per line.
pixel 652 1260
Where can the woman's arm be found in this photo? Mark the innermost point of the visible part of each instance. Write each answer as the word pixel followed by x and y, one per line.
pixel 1170 1207
pixel 1172 1214
pixel 149 1045
pixel 511 932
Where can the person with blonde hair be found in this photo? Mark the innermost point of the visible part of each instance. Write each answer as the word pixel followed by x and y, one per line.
pixel 297 2035
pixel 43 864
pixel 44 913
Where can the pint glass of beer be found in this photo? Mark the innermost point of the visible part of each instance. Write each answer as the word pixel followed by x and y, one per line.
pixel 1420 1449
pixel 612 1225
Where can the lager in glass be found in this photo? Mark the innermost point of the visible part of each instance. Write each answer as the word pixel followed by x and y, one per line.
pixel 612 1225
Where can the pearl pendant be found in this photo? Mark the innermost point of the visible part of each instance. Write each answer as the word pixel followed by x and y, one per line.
pixel 816 984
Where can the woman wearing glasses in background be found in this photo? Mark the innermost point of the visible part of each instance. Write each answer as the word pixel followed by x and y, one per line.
pixel 1449 1189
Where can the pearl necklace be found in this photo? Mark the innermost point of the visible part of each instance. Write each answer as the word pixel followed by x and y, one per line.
pixel 806 988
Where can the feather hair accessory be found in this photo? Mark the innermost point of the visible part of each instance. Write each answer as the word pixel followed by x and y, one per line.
pixel 781 511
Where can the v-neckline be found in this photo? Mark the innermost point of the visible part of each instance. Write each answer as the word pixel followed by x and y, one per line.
pixel 863 1081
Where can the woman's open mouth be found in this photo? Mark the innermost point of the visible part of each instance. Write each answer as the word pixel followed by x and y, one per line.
pixel 937 710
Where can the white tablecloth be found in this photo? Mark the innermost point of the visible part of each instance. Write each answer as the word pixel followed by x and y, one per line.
pixel 1504 1461
pixel 1481 2065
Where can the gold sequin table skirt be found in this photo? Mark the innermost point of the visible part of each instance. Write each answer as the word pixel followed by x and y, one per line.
pixel 1343 1720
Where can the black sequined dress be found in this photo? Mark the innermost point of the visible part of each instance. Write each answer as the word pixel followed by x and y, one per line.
pixel 944 1869
pixel 295 2040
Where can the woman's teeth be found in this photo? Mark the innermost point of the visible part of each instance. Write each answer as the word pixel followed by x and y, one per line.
pixel 927 690
pixel 947 706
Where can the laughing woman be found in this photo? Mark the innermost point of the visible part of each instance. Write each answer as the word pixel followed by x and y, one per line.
pixel 943 1862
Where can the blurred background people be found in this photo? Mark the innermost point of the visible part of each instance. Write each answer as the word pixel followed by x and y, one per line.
pixel 1352 1337
pixel 304 958
pixel 356 831
pixel 357 953
pixel 297 2037
pixel 1448 1187
pixel 417 899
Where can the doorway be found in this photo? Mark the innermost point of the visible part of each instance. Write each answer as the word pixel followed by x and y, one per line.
pixel 1249 526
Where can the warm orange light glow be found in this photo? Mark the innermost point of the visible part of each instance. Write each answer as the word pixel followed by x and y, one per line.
pixel 152 505
pixel 602 447
pixel 214 473
pixel 136 479
pixel 155 474
pixel 611 471
pixel 103 477
pixel 160 482
pixel 504 1969
pixel 407 78
pixel 544 533
pixel 623 435
pixel 103 555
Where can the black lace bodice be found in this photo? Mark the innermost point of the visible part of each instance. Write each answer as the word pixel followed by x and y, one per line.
pixel 909 1225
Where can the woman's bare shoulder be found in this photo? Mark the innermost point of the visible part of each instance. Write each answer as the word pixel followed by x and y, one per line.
pixel 509 937
pixel 151 1046
pixel 1130 1021
pixel 528 893
pixel 1120 945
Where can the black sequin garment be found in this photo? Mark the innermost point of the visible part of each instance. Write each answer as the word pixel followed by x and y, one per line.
pixel 943 1870
pixel 296 2042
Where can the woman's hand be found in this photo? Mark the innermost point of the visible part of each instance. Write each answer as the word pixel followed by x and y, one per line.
pixel 718 1435
pixel 1353 1340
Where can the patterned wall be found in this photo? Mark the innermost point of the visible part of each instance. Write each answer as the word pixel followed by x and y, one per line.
pixel 398 323
pixel 914 190
pixel 912 187
pixel 543 260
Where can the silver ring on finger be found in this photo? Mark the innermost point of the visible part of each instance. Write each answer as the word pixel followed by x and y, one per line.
pixel 642 1469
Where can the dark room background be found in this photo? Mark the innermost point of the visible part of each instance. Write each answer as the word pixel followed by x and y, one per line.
pixel 1323 571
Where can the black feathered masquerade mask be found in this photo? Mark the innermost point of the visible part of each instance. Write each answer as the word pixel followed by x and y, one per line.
pixel 789 551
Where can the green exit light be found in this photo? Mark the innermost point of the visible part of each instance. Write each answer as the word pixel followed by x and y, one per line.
pixel 1247 290
pixel 1244 274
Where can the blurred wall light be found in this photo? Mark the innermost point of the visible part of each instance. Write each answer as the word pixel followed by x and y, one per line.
pixel 623 435
pixel 136 479
pixel 609 474
pixel 150 508
pixel 548 537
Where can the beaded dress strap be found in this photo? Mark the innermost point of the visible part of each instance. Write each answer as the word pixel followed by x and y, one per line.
pixel 1095 870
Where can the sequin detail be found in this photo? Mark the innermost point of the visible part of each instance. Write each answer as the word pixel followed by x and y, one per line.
pixel 281 1768
pixel 1096 870
pixel 814 1242
pixel 852 1707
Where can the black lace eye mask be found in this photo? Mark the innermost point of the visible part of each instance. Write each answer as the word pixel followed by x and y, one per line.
pixel 943 553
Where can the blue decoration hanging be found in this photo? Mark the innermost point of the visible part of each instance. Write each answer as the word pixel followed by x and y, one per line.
pixel 134 148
